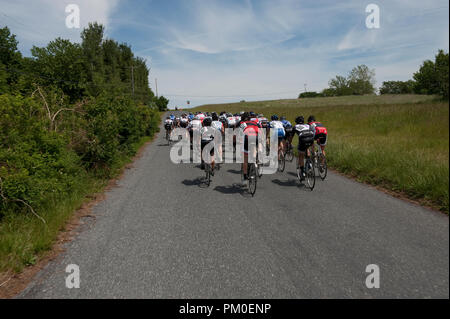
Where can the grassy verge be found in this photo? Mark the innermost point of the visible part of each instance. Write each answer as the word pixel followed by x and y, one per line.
pixel 403 147
pixel 24 238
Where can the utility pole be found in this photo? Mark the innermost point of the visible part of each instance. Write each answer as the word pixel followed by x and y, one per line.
pixel 156 87
pixel 305 88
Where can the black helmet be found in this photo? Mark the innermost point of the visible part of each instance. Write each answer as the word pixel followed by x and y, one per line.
pixel 215 117
pixel 207 121
pixel 300 120
pixel 311 118
pixel 274 117
pixel 245 116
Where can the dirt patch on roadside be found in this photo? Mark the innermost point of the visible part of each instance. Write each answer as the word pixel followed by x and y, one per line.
pixel 13 284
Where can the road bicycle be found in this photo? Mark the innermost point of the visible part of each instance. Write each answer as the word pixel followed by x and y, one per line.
pixel 320 162
pixel 169 140
pixel 208 173
pixel 310 174
pixel 252 177
pixel 281 160
pixel 289 155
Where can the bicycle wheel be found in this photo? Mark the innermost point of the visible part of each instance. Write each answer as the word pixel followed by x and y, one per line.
pixel 281 162
pixel 260 169
pixel 323 169
pixel 310 177
pixel 252 179
pixel 290 154
pixel 208 174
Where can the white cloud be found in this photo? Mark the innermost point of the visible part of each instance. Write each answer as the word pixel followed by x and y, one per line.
pixel 39 21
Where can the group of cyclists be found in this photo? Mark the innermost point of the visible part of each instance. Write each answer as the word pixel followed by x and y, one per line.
pixel 251 124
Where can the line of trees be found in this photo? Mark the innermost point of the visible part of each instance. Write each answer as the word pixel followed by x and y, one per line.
pixel 432 78
pixel 94 66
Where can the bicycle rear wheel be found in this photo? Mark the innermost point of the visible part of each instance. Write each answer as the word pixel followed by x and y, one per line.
pixel 290 155
pixel 323 169
pixel 281 162
pixel 208 174
pixel 310 177
pixel 252 179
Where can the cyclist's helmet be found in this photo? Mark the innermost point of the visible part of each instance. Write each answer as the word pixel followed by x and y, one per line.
pixel 245 117
pixel 207 121
pixel 215 117
pixel 274 117
pixel 300 120
pixel 311 119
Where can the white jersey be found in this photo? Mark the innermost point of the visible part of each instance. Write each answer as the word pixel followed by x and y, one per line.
pixel 232 121
pixel 201 116
pixel 303 130
pixel 217 125
pixel 168 121
pixel 207 133
pixel 196 124
pixel 278 125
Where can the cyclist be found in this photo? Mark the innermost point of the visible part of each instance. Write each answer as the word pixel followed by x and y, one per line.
pixel 277 125
pixel 168 123
pixel 305 140
pixel 191 116
pixel 289 131
pixel 207 137
pixel 249 128
pixel 321 133
pixel 218 125
pixel 172 117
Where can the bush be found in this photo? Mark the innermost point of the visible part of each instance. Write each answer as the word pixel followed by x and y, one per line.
pixel 309 94
pixel 39 164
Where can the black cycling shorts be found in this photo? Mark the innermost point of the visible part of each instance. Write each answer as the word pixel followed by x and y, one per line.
pixel 304 143
pixel 322 139
pixel 246 143
pixel 204 143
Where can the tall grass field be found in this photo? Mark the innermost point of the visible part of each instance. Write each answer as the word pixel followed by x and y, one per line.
pixel 399 142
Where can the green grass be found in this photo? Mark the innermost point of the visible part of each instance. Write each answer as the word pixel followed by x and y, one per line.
pixel 400 142
pixel 24 238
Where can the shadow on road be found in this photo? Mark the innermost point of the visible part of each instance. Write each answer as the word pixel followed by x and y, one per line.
pixel 289 182
pixel 234 171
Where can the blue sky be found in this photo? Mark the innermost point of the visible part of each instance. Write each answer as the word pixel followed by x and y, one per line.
pixel 209 51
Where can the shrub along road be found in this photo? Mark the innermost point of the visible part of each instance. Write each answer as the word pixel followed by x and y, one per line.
pixel 162 234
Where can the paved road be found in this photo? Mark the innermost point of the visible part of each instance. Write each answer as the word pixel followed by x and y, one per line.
pixel 162 234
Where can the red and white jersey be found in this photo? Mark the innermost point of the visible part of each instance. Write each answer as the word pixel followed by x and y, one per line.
pixel 217 125
pixel 318 128
pixel 231 121
pixel 201 116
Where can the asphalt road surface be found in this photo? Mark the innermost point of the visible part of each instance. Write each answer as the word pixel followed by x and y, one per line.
pixel 162 234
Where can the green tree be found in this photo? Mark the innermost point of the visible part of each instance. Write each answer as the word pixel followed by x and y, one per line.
pixel 10 61
pixel 397 87
pixel 340 86
pixel 426 80
pixel 60 64
pixel 161 103
pixel 442 77
pixel 361 80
